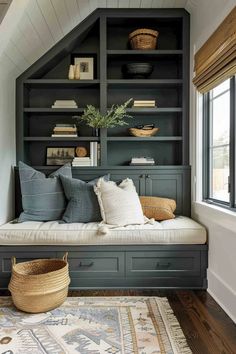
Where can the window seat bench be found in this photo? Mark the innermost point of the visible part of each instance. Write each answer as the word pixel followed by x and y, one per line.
pixel 167 254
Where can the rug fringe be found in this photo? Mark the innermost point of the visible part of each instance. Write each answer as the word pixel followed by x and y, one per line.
pixel 175 328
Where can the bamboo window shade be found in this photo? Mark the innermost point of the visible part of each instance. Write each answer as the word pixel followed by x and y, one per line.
pixel 215 61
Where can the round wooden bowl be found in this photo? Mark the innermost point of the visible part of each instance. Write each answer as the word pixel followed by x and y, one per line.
pixel 144 133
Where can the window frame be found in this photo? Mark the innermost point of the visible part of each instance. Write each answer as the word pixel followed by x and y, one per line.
pixel 206 136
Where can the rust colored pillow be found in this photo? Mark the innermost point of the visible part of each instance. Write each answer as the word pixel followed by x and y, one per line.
pixel 158 208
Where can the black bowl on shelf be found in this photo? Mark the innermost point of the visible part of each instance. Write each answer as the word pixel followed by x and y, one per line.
pixel 137 70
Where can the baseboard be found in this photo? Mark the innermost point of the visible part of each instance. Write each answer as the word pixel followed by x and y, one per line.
pixel 222 293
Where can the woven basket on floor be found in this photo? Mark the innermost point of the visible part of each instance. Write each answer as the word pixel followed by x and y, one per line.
pixel 143 38
pixel 40 285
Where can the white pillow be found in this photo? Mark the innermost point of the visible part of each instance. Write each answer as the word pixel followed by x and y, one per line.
pixel 119 204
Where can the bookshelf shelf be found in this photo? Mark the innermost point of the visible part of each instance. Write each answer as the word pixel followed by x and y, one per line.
pixel 144 82
pixel 53 110
pixel 152 138
pixel 51 83
pixel 144 53
pixel 45 138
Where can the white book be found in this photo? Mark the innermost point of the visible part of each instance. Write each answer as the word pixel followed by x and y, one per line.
pixel 151 101
pixel 81 159
pixel 91 153
pixel 64 136
pixel 64 106
pixel 81 164
pixel 144 104
pixel 95 147
pixel 94 153
pixel 65 102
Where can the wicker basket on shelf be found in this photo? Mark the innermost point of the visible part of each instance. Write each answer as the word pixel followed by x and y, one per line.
pixel 39 285
pixel 143 133
pixel 143 38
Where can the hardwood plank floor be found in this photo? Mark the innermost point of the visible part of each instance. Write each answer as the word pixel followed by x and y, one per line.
pixel 207 328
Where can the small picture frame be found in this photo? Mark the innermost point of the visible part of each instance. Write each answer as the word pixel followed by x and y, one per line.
pixel 59 156
pixel 86 67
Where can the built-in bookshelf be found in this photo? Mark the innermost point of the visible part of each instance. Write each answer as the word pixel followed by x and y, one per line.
pixel 104 36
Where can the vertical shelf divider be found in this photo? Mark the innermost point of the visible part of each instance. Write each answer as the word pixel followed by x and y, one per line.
pixel 103 85
pixel 185 90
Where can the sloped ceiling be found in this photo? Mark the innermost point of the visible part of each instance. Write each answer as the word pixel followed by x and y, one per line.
pixel 4 4
pixel 42 23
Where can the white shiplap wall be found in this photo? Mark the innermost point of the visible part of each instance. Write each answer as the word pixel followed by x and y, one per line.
pixel 45 22
pixel 29 29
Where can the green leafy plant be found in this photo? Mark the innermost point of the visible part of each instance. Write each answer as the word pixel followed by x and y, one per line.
pixel 114 117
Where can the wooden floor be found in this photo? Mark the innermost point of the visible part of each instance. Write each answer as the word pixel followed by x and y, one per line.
pixel 206 326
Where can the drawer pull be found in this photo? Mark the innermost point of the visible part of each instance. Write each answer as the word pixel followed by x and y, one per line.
pixel 163 265
pixel 81 264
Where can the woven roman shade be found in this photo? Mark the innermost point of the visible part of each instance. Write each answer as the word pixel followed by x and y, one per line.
pixel 215 61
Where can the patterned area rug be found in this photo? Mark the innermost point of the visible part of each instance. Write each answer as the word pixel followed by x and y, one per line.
pixel 93 325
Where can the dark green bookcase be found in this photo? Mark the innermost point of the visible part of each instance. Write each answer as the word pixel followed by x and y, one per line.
pixel 104 35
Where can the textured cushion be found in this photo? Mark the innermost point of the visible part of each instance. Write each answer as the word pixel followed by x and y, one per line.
pixel 119 204
pixel 181 230
pixel 158 208
pixel 43 198
pixel 82 201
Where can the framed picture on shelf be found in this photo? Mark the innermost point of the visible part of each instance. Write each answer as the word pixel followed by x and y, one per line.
pixel 59 156
pixel 86 66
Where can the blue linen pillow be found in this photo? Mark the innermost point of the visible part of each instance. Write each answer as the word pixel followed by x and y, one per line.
pixel 82 204
pixel 43 198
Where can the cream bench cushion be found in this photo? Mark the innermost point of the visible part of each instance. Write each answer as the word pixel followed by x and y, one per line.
pixel 181 230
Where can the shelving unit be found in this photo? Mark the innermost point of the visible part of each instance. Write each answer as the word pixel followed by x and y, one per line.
pixel 105 37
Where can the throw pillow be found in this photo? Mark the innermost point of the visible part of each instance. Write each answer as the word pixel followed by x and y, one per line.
pixel 82 201
pixel 119 204
pixel 43 198
pixel 158 208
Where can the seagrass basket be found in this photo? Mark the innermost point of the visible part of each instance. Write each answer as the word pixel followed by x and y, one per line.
pixel 39 285
pixel 143 38
pixel 143 133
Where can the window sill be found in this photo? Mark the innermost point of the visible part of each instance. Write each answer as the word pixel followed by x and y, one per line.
pixel 218 215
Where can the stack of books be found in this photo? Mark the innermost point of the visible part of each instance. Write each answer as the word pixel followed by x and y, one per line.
pixel 65 131
pixel 92 160
pixel 144 103
pixel 64 104
pixel 142 161
pixel 81 161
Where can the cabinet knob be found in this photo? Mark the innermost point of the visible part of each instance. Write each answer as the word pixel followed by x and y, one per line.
pixel 147 176
pixel 142 176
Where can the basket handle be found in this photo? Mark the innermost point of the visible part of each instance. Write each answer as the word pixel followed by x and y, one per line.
pixel 13 261
pixel 65 257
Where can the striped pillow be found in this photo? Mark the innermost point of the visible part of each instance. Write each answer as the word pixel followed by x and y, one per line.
pixel 43 198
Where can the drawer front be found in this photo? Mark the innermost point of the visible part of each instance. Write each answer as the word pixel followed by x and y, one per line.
pixel 5 266
pixel 96 264
pixel 151 264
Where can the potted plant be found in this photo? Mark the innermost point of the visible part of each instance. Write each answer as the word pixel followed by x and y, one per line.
pixel 114 117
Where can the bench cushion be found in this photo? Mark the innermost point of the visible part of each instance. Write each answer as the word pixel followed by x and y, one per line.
pixel 181 230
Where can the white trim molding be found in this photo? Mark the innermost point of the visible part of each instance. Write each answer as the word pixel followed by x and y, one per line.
pixel 225 294
pixel 218 215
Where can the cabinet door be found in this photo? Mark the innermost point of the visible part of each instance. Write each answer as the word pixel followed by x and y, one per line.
pixel 138 179
pixel 169 186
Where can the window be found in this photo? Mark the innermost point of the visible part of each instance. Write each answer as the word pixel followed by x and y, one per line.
pixel 219 144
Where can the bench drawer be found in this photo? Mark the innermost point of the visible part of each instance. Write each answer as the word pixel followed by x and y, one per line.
pixel 96 264
pixel 159 263
pixel 5 265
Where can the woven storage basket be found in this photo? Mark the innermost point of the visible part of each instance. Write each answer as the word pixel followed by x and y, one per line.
pixel 40 285
pixel 143 133
pixel 143 38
